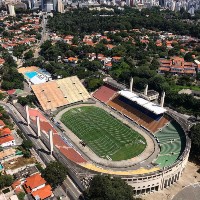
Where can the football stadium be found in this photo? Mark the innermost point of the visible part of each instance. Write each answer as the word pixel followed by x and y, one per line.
pixel 117 132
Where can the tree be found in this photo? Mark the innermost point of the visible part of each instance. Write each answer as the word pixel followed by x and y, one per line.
pixel 105 187
pixel 188 57
pixel 18 50
pixel 28 54
pixel 27 144
pixel 154 64
pixel 195 135
pixel 21 195
pixel 27 154
pixel 5 181
pixel 75 40
pixel 55 173
pixel 195 138
pixel 94 83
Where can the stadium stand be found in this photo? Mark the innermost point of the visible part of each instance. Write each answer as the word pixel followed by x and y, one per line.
pixel 58 141
pixel 143 118
pixel 61 92
pixel 72 155
pixel 172 142
pixel 105 93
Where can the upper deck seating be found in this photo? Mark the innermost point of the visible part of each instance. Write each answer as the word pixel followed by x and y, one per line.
pixel 105 92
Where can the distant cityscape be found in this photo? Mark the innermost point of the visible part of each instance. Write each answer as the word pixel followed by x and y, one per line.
pixel 61 5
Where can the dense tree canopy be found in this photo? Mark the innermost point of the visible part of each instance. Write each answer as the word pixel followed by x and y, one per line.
pixel 195 138
pixel 12 79
pixel 107 188
pixel 55 173
pixel 85 21
pixel 5 180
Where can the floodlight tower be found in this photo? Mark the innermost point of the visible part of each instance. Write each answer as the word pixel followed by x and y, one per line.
pixel 162 99
pixel 146 90
pixel 38 126
pixel 27 115
pixel 51 141
pixel 131 84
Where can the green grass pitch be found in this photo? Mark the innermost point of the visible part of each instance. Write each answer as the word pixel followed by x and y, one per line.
pixel 105 135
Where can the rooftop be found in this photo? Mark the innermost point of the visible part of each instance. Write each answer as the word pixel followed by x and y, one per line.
pixel 6 153
pixel 28 171
pixel 34 181
pixel 57 93
pixel 142 102
pixel 43 193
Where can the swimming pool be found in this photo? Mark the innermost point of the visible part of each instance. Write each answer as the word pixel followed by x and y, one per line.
pixel 31 74
pixel 1 166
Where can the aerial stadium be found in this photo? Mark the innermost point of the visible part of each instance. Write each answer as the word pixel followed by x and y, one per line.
pixel 115 131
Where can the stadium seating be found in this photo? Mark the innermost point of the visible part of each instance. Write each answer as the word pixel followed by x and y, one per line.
pixel 104 93
pixel 72 155
pixel 172 142
pixel 132 112
pixel 58 141
pixel 166 160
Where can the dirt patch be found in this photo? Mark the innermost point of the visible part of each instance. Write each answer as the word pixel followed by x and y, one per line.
pixel 18 162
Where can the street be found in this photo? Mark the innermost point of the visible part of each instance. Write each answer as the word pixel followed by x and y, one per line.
pixel 68 186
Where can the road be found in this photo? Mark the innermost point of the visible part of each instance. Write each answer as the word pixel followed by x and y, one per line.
pixel 41 148
pixel 44 36
pixel 68 185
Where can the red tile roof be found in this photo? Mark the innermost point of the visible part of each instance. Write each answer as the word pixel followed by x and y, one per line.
pixel 6 139
pixel 16 183
pixel 2 123
pixel 34 181
pixel 43 193
pixel 11 91
pixel 4 132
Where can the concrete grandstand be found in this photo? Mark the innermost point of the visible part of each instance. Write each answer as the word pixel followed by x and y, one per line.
pixel 61 92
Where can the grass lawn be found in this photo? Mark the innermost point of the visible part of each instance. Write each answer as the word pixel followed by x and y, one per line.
pixel 105 135
pixel 177 88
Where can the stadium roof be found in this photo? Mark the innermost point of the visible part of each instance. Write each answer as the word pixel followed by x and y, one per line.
pixel 155 108
pixel 57 93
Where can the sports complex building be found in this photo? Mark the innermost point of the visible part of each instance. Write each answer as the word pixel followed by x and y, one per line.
pixel 118 133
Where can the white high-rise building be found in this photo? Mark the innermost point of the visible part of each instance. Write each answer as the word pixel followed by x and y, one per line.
pixel 47 5
pixel 11 9
pixel 60 6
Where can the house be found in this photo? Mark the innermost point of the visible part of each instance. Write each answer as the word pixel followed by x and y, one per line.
pixel 116 59
pixel 7 153
pixel 177 66
pixel 2 61
pixel 198 65
pixel 37 187
pixel 6 139
pixel 68 39
pixel 72 60
pixel 1 124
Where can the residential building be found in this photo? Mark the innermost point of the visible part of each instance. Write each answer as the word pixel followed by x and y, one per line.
pixel 177 66
pixel 6 139
pixel 37 187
